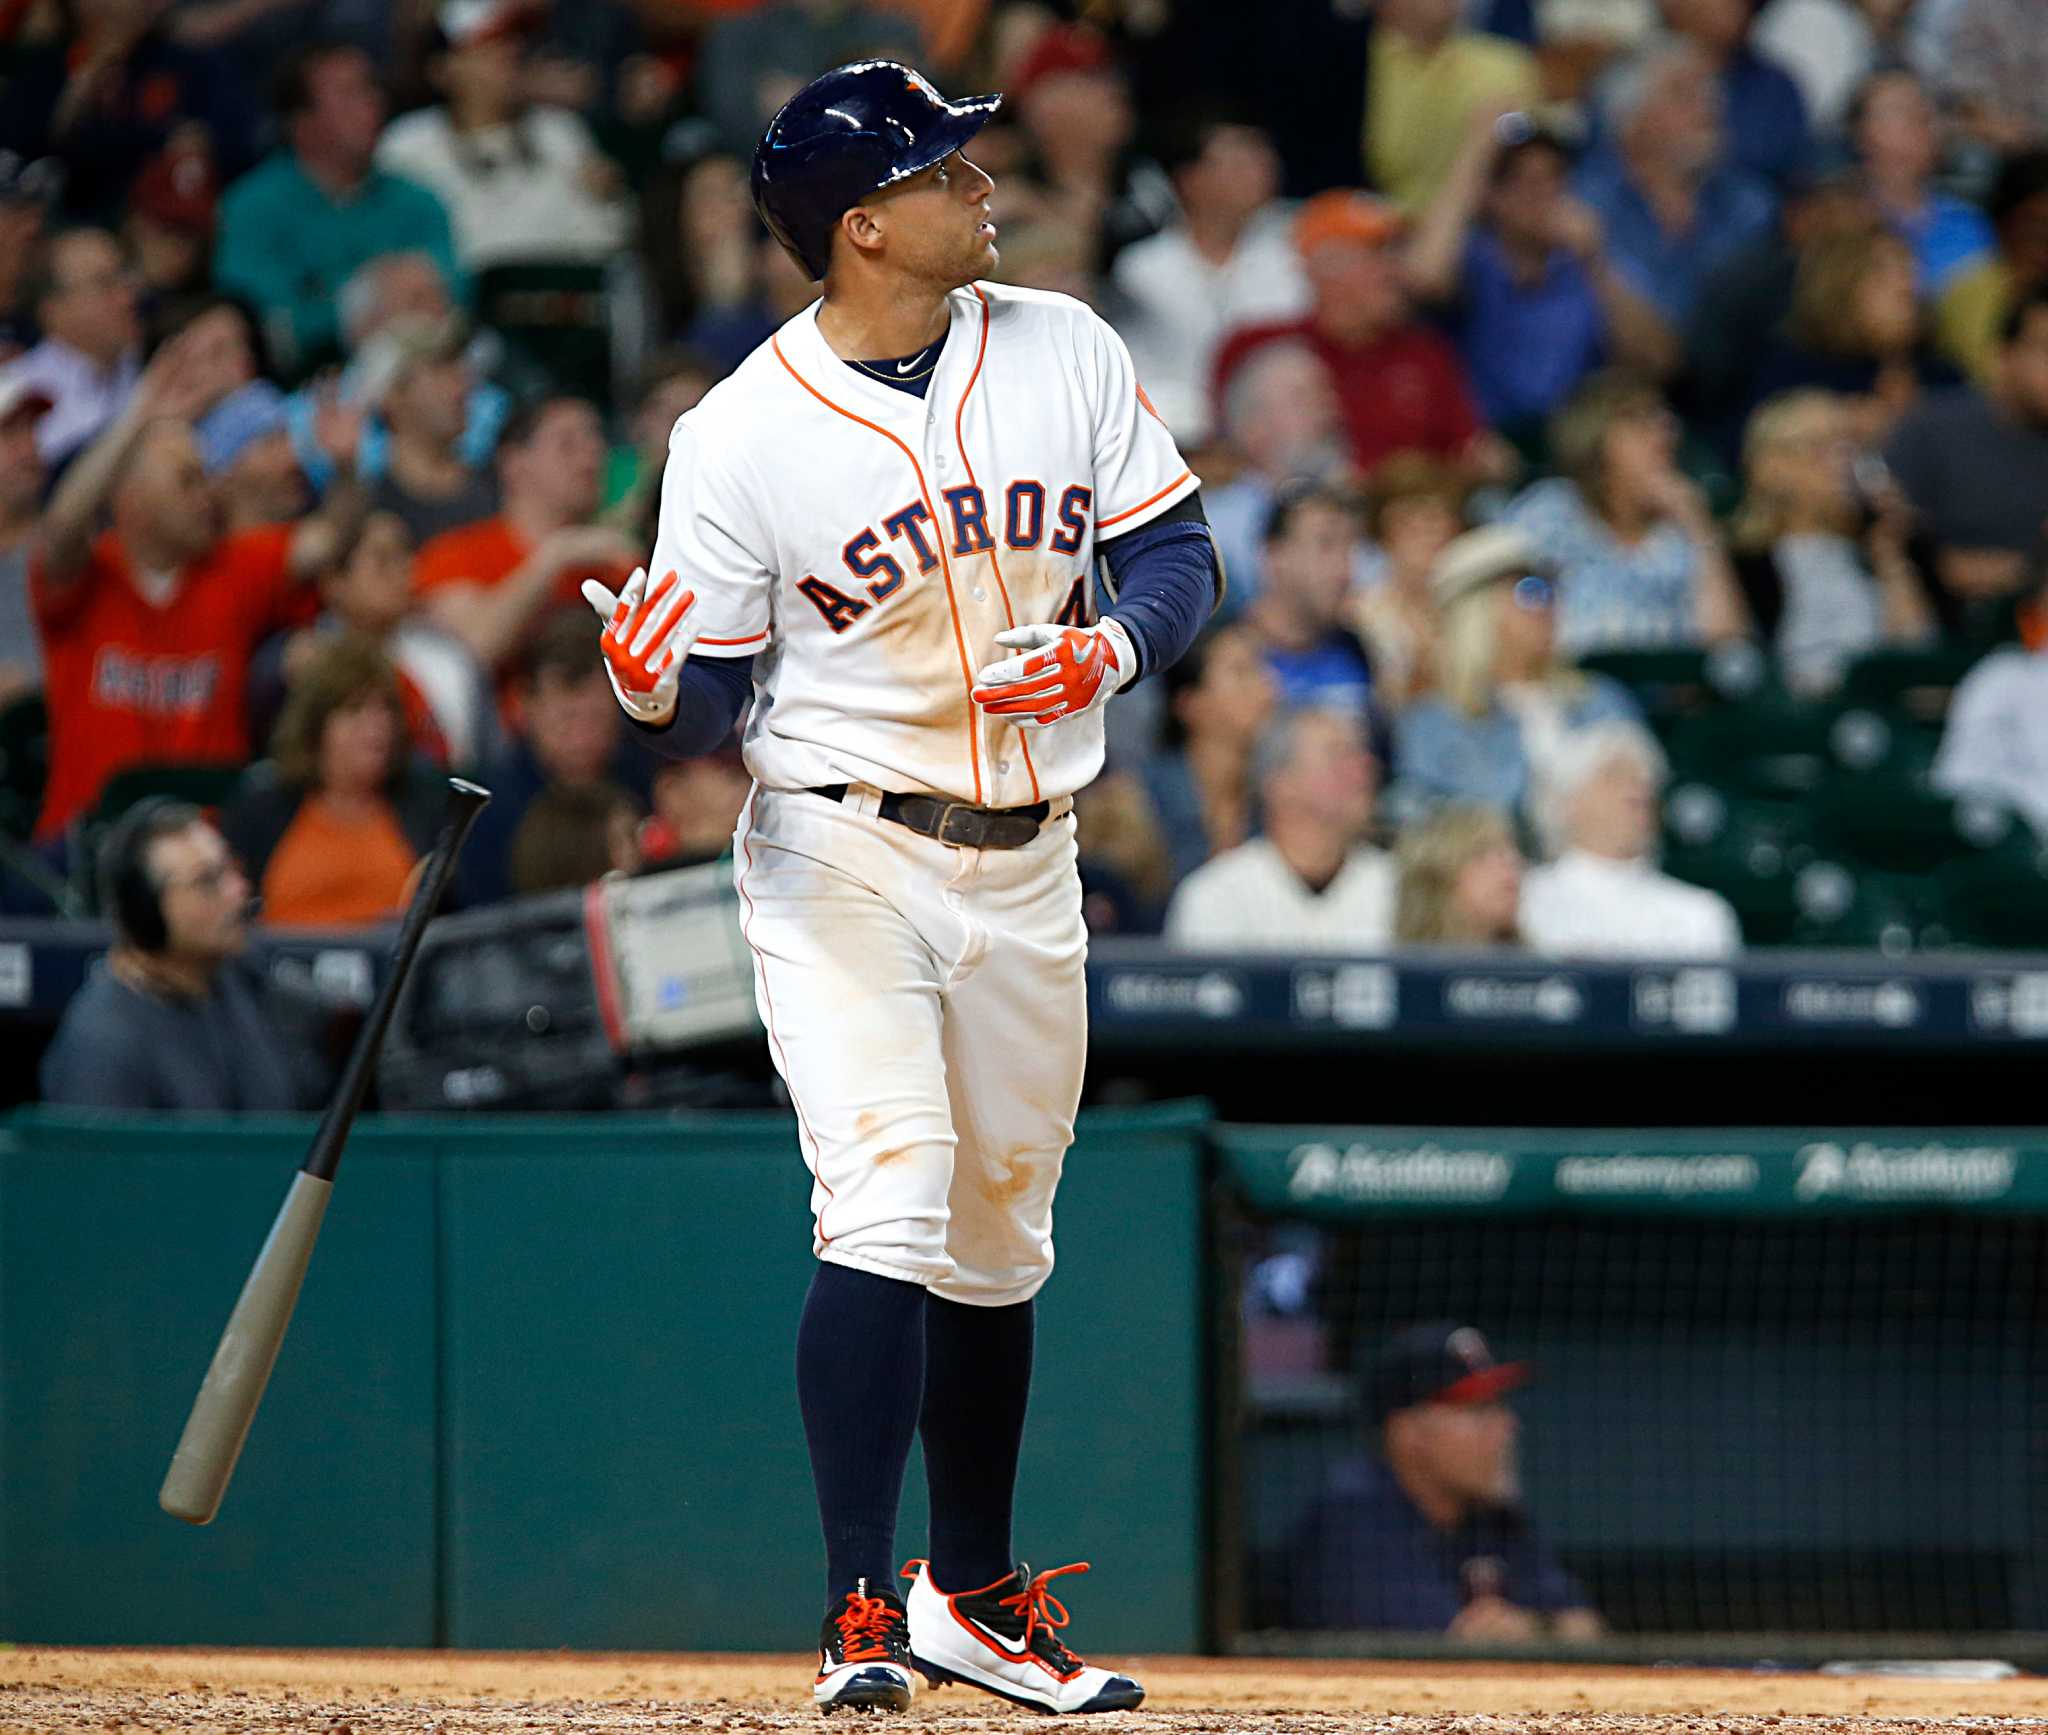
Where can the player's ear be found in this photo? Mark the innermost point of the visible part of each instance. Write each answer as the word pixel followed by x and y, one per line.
pixel 862 227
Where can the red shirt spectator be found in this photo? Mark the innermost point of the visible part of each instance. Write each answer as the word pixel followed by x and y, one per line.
pixel 148 629
pixel 1401 385
pixel 488 583
pixel 139 668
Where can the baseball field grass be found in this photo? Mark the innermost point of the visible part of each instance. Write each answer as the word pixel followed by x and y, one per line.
pixel 215 1692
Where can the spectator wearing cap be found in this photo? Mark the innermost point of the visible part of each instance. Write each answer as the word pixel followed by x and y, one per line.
pixel 1414 510
pixel 148 628
pixel 1283 423
pixel 490 582
pixel 1400 384
pixel 1768 132
pixel 1994 72
pixel 28 187
pixel 416 376
pixel 755 61
pixel 1311 882
pixel 1519 268
pixel 397 289
pixel 1427 79
pixel 1973 464
pixel 522 182
pixel 1828 574
pixel 1080 172
pixel 1602 895
pixel 21 496
pixel 1424 1531
pixel 1199 780
pixel 1995 744
pixel 1458 879
pixel 1971 312
pixel 1674 206
pixel 90 357
pixel 1504 700
pixel 1896 133
pixel 247 451
pixel 170 220
pixel 294 230
pixel 177 1018
pixel 1227 259
pixel 1638 558
pixel 1301 617
pixel 333 824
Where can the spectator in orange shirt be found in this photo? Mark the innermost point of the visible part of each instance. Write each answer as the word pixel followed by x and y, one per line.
pixel 148 628
pixel 489 583
pixel 332 826
pixel 1401 384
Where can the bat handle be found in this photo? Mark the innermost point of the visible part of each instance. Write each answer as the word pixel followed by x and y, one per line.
pixel 465 801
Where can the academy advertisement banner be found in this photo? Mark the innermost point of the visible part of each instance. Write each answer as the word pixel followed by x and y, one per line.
pixel 1356 1172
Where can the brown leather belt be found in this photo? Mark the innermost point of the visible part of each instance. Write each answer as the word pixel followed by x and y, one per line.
pixel 959 823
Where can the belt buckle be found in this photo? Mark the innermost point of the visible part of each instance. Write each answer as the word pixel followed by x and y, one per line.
pixel 973 833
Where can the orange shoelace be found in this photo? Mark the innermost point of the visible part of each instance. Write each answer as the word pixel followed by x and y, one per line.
pixel 1038 1606
pixel 863 1627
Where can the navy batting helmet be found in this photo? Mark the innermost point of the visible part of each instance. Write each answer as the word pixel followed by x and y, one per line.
pixel 847 133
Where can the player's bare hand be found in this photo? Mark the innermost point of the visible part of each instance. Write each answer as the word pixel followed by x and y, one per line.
pixel 1058 672
pixel 647 634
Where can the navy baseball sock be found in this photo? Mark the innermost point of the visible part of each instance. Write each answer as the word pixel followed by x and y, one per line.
pixel 859 1380
pixel 977 1381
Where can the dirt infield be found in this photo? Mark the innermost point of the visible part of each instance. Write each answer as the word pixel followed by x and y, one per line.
pixel 490 1693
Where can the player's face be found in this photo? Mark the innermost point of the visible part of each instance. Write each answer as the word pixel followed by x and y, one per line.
pixel 937 226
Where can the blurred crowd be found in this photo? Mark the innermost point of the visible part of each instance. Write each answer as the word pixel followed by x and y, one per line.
pixel 1519 343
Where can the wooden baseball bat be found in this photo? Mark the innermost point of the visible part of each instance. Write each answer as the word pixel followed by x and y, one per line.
pixel 233 1387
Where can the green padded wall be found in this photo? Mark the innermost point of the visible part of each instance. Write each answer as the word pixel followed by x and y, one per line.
pixel 538 1391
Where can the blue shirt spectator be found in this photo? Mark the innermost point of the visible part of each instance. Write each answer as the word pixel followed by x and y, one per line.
pixel 1766 118
pixel 1613 595
pixel 1897 135
pixel 1526 342
pixel 1669 267
pixel 1668 149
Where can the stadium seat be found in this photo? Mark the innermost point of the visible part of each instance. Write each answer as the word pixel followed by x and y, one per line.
pixel 1997 897
pixel 1916 682
pixel 1672 684
pixel 1771 746
pixel 1889 819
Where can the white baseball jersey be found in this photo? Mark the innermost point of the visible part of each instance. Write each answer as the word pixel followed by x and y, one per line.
pixel 868 545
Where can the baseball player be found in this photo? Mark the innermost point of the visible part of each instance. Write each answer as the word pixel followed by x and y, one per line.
pixel 930 528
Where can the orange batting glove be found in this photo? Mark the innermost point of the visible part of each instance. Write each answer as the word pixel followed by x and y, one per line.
pixel 1061 672
pixel 646 638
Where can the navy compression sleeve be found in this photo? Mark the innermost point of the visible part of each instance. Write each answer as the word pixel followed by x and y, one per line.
pixel 1166 581
pixel 710 695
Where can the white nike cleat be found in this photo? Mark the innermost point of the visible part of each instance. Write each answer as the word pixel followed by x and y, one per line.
pixel 1004 1639
pixel 864 1655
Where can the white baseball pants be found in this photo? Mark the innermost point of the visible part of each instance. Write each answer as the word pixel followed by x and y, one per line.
pixel 927 1008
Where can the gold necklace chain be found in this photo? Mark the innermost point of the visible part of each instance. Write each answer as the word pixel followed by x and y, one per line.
pixel 892 375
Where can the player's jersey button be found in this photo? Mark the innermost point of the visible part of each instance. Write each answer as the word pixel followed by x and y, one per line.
pixel 979 594
pixel 1002 765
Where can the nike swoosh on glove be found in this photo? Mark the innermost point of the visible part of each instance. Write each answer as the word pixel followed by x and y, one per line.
pixel 646 638
pixel 1061 672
